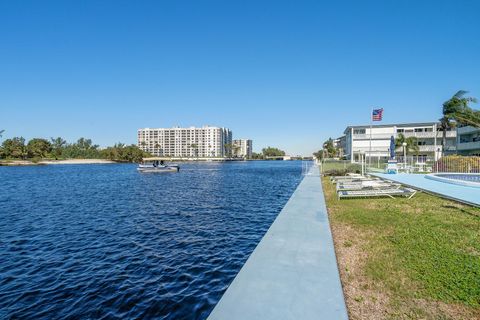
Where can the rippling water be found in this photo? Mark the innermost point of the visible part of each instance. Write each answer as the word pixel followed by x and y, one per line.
pixel 103 241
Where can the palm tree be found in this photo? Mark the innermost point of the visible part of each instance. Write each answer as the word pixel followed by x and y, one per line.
pixel 235 149
pixel 194 146
pixel 318 154
pixel 469 117
pixel 58 145
pixel 329 147
pixel 411 143
pixel 446 124
pixel 157 146
pixel 457 109
pixel 228 149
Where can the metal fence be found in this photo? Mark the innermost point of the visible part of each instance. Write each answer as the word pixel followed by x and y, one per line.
pixel 409 164
pixel 459 164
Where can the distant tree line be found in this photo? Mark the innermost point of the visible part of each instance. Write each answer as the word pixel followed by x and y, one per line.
pixel 272 152
pixel 257 156
pixel 58 148
pixel 268 152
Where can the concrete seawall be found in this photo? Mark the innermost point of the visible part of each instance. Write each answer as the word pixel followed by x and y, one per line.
pixel 292 273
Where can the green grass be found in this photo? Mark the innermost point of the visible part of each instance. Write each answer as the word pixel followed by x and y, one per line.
pixel 338 167
pixel 425 247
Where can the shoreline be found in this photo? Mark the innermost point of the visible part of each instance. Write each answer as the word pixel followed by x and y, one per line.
pixel 17 163
pixel 20 163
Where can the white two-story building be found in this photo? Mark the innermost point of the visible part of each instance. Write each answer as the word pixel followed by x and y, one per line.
pixel 374 141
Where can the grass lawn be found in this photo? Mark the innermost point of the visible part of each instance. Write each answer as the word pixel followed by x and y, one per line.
pixel 340 165
pixel 407 259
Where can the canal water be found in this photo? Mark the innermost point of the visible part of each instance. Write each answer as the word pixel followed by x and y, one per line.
pixel 103 241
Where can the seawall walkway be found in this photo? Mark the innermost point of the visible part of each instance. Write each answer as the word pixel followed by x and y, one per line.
pixel 292 273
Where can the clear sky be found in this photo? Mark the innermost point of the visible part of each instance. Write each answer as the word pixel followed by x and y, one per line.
pixel 283 73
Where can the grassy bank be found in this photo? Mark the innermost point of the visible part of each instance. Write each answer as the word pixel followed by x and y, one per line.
pixel 407 259
pixel 333 167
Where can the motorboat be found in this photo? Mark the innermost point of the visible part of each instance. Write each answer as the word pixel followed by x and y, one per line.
pixel 157 165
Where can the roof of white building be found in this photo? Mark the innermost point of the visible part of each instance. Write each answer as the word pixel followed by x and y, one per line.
pixel 184 128
pixel 401 125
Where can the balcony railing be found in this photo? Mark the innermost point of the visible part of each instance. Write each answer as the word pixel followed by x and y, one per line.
pixel 383 136
pixel 422 148
pixel 467 130
pixel 450 134
pixel 468 145
pixel 428 148
pixel 374 136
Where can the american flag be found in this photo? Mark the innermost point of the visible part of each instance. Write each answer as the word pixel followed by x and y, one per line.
pixel 377 114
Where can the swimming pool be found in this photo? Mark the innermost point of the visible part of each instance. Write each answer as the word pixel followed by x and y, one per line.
pixel 463 179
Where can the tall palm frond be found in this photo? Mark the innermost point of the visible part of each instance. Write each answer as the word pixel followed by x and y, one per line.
pixel 457 109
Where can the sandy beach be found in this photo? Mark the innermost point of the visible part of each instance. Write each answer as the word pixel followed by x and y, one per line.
pixel 50 162
pixel 78 161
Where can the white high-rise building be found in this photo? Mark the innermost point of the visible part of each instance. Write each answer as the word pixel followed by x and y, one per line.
pixel 242 148
pixel 204 142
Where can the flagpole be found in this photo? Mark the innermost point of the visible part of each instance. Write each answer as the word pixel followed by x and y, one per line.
pixel 370 148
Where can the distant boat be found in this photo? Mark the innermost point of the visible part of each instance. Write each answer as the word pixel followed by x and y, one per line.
pixel 157 165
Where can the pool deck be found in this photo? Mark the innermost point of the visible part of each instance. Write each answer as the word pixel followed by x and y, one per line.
pixel 292 273
pixel 464 194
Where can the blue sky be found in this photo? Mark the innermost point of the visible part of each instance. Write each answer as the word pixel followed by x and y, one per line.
pixel 283 73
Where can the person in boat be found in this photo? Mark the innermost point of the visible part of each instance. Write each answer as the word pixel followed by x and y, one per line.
pixel 162 163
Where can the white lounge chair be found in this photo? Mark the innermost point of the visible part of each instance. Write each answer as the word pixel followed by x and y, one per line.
pixel 390 192
pixel 355 176
pixel 354 180
pixel 361 185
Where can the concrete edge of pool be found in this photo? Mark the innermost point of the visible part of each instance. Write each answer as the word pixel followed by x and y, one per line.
pixel 292 273
pixel 444 177
pixel 460 193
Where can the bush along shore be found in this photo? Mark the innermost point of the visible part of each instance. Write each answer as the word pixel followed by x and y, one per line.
pixel 16 151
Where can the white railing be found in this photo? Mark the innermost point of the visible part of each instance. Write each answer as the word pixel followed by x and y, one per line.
pixel 374 136
pixel 306 165
pixel 420 164
pixel 467 130
pixel 427 148
pixel 409 164
pixel 459 164
pixel 472 145
pixel 429 134
pixel 381 136
pixel 307 168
